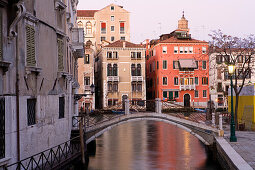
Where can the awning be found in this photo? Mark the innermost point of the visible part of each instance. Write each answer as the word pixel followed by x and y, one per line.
pixel 187 63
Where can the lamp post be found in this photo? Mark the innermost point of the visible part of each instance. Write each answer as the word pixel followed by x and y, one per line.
pixel 231 70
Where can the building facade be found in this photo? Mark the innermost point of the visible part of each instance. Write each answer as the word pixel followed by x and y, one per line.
pixel 177 68
pixel 121 66
pixel 108 24
pixel 40 44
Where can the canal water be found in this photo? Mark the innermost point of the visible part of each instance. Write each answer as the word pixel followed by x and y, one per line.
pixel 147 144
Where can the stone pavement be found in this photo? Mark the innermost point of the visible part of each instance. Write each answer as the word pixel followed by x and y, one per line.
pixel 245 145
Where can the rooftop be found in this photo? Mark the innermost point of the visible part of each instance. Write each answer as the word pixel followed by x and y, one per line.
pixel 119 43
pixel 86 13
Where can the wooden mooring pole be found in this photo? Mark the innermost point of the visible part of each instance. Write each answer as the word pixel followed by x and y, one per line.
pixel 82 141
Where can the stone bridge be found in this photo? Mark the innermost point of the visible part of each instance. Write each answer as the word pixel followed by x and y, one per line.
pixel 202 131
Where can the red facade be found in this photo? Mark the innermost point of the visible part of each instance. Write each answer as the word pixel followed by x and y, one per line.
pixel 177 68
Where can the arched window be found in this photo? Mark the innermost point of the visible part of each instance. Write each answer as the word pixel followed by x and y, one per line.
pixel 115 70
pixel 88 27
pixel 133 70
pixel 80 24
pixel 138 73
pixel 109 70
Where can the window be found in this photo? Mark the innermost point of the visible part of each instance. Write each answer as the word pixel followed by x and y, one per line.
pixel 86 81
pixel 157 65
pixel 2 126
pixel 181 50
pixel 186 49
pixel 218 59
pixel 136 87
pixel 175 64
pixel 1 42
pixel 115 70
pixel 175 50
pixel 88 27
pixel 112 55
pixel 204 93
pixel 31 110
pixel 240 59
pixel 80 24
pixel 176 81
pixel 112 102
pixel 196 64
pixel 176 94
pixel 112 18
pixel 196 93
pixel 103 28
pixel 164 80
pixel 203 50
pixel 122 28
pixel 109 70
pixel 196 80
pixel 123 38
pixel 112 8
pixel 170 95
pixel 30 46
pixel 86 60
pixel 191 50
pixel 112 28
pixel 102 38
pixel 204 65
pixel 164 49
pixel 60 54
pixel 112 38
pixel 61 107
pixel 204 80
pixel 136 71
pixel 112 87
pixel 227 59
pixel 164 64
pixel 165 94
pixel 136 55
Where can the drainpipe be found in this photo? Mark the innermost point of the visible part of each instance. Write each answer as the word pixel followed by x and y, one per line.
pixel 21 12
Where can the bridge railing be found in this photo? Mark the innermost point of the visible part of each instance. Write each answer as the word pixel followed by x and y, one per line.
pixel 142 105
pixel 50 158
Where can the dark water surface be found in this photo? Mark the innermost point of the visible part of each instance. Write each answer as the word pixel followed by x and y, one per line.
pixel 143 145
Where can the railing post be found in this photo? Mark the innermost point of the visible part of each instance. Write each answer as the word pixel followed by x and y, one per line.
pixel 126 106
pixel 213 119
pixel 158 104
pixel 221 131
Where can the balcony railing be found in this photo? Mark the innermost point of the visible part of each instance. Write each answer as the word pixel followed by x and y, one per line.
pixel 136 78
pixel 113 78
pixel 87 87
pixel 188 87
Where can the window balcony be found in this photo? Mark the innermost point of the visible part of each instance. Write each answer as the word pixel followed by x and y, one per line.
pixel 136 78
pixel 188 87
pixel 113 78
pixel 87 87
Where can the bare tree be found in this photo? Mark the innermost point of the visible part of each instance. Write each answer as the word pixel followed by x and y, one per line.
pixel 235 51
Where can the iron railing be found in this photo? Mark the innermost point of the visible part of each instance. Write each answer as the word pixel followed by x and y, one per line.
pixel 50 158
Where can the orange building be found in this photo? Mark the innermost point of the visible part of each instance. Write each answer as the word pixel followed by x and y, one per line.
pixel 177 67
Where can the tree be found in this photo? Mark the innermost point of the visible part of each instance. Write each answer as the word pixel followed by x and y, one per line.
pixel 236 51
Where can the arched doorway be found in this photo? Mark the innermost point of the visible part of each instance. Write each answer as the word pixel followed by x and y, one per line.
pixel 186 99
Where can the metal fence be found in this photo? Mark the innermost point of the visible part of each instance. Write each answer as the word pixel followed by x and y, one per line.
pixel 50 158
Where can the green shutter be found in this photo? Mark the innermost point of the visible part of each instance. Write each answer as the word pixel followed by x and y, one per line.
pixel 30 45
pixel 196 80
pixel 1 38
pixel 171 95
pixel 60 54
pixel 176 94
pixel 164 94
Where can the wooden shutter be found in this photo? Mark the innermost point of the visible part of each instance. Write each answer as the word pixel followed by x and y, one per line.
pixel 1 37
pixel 30 45
pixel 60 54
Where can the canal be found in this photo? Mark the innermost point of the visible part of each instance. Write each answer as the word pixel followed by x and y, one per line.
pixel 149 144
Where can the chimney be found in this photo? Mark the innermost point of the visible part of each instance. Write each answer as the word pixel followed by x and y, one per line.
pixel 124 44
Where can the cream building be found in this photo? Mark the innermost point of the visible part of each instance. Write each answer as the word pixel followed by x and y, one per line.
pixel 108 24
pixel 39 47
pixel 122 72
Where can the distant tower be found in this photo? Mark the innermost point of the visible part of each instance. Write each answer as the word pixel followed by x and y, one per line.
pixel 183 24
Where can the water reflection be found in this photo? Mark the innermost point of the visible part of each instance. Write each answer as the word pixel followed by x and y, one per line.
pixel 149 145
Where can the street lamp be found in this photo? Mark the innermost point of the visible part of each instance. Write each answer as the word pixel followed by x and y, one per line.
pixel 231 70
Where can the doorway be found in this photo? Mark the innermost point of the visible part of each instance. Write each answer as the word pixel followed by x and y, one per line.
pixel 186 100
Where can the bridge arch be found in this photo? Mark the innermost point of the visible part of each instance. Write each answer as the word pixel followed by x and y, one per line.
pixel 203 133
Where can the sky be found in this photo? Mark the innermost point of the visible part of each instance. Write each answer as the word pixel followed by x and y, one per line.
pixel 149 19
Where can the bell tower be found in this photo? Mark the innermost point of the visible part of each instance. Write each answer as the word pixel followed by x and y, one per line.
pixel 183 24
